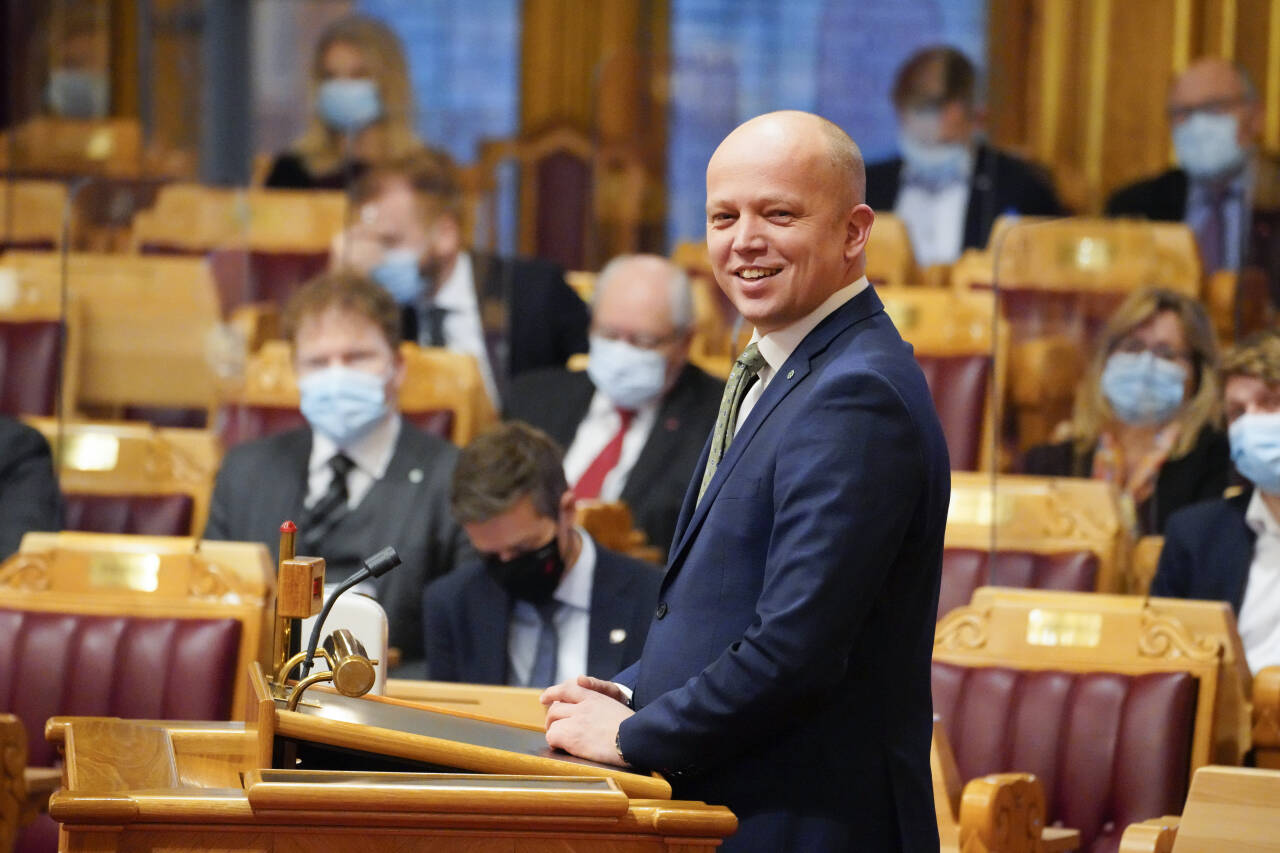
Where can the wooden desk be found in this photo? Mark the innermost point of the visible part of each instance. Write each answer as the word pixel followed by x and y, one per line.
pixel 155 785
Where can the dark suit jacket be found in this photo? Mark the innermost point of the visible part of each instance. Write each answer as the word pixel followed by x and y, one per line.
pixel 1164 198
pixel 530 316
pixel 791 646
pixel 466 617
pixel 1207 551
pixel 1199 476
pixel 289 172
pixel 656 485
pixel 262 483
pixel 29 497
pixel 1001 184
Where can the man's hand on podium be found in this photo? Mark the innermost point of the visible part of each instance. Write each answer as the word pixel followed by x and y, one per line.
pixel 583 716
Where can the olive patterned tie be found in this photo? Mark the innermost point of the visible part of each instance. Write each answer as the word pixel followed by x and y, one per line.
pixel 740 379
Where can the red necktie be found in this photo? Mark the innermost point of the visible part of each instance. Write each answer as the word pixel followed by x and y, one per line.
pixel 592 480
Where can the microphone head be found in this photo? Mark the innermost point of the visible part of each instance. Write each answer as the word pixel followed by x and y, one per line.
pixel 382 562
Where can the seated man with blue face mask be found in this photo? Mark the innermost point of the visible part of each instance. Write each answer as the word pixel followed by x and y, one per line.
pixel 1228 549
pixel 635 421
pixel 358 477
pixel 948 185
pixel 1223 187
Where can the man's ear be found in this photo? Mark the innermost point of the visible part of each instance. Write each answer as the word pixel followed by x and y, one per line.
pixel 446 237
pixel 857 230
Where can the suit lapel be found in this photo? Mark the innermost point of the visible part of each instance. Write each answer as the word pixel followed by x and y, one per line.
pixel 608 592
pixel 664 440
pixel 792 373
pixel 292 489
pixel 981 196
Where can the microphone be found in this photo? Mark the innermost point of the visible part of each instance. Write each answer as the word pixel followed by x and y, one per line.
pixel 373 567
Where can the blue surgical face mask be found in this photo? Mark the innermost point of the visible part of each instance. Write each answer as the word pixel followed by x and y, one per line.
pixel 77 93
pixel 342 403
pixel 1143 390
pixel 935 163
pixel 628 375
pixel 398 274
pixel 1208 144
pixel 349 105
pixel 1255 449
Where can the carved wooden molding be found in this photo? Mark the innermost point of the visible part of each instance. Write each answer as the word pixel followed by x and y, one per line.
pixel 1002 812
pixel 1166 637
pixel 13 789
pixel 962 629
pixel 27 572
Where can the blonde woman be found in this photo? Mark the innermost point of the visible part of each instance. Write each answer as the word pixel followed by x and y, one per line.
pixel 1147 413
pixel 362 112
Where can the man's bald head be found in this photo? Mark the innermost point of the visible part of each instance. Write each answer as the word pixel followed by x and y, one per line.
pixel 1217 85
pixel 801 129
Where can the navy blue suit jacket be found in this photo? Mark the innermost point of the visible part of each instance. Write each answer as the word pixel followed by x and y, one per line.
pixel 786 673
pixel 1207 551
pixel 466 617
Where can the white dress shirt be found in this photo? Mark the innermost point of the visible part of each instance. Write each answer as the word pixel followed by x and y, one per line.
pixel 371 455
pixel 598 427
pixel 463 331
pixel 777 346
pixel 934 219
pixel 1259 621
pixel 572 619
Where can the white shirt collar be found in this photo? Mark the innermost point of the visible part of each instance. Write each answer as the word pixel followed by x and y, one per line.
pixel 371 453
pixel 1259 518
pixel 575 587
pixel 457 292
pixel 777 346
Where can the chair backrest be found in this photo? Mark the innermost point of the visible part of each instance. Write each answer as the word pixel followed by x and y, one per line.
pixel 1110 700
pixel 891 261
pixel 133 477
pixel 147 324
pixel 40 338
pixel 31 214
pixel 131 626
pixel 610 524
pixel 1040 515
pixel 964 570
pixel 1143 561
pixel 192 218
pixel 961 347
pixel 46 145
pixel 442 394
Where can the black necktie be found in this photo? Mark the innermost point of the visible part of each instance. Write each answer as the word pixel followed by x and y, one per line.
pixel 325 514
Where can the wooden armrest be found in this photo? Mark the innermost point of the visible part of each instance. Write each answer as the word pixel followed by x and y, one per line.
pixel 1002 811
pixel 1151 836
pixel 1266 717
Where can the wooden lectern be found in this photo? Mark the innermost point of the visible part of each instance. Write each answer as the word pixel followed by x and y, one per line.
pixel 355 774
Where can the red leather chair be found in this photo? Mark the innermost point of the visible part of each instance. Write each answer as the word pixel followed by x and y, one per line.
pixel 245 276
pixel 966 569
pixel 148 515
pixel 961 388
pixel 29 364
pixel 1110 749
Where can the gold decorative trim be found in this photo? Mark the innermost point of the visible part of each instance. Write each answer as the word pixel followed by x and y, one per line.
pixel 1167 637
pixel 962 628
pixel 26 572
pixel 209 580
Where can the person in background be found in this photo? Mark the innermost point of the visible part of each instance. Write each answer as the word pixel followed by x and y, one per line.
pixel 357 477
pixel 1147 411
pixel 29 496
pixel 632 419
pixel 362 109
pixel 544 601
pixel 1228 549
pixel 947 184
pixel 78 86
pixel 512 314
pixel 1224 188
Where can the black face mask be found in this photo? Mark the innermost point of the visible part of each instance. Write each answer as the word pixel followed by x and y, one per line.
pixel 532 576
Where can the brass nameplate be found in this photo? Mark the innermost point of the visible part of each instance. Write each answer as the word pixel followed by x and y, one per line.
pixel 89 452
pixel 138 572
pixel 1092 254
pixel 1070 628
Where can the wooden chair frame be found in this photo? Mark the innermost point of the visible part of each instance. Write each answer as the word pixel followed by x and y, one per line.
pixel 891 259
pixel 32 211
pixel 1227 808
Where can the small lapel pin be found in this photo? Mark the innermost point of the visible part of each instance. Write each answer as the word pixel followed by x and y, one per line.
pixel 790 373
pixel 415 475
pixel 617 635
pixel 671 424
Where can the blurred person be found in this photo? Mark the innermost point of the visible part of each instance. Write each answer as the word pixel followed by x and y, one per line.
pixel 544 601
pixel 1147 412
pixel 357 477
pixel 1224 188
pixel 362 106
pixel 1228 549
pixel 948 184
pixel 633 422
pixel 29 496
pixel 512 314
pixel 78 86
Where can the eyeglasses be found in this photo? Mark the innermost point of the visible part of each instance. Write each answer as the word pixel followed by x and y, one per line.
pixel 641 341
pixel 1221 105
pixel 1134 346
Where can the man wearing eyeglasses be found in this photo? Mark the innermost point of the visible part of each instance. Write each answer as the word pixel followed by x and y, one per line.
pixel 634 421
pixel 1223 188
